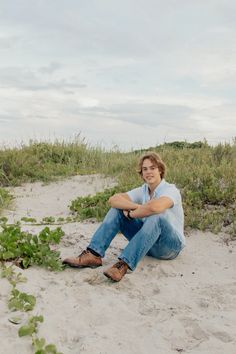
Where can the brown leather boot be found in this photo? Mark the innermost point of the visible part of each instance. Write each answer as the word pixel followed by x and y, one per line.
pixel 85 259
pixel 117 271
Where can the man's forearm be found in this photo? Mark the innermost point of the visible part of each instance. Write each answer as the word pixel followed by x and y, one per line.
pixel 142 211
pixel 155 206
pixel 120 202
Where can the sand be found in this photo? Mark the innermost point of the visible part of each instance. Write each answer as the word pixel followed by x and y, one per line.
pixel 187 305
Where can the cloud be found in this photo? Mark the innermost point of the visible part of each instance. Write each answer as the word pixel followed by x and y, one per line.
pixel 9 42
pixel 149 114
pixel 33 80
pixel 51 68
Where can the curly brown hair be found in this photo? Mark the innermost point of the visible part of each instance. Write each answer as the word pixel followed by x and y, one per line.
pixel 156 160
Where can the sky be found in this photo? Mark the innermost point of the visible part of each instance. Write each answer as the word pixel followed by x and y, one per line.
pixel 128 74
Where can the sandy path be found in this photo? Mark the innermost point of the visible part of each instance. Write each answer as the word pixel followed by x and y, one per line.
pixel 187 305
pixel 40 200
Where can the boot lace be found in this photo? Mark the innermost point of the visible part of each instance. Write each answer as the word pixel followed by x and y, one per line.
pixel 83 253
pixel 120 264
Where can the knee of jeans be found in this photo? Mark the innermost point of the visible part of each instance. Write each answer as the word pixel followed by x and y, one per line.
pixel 170 255
pixel 112 213
pixel 157 219
pixel 164 220
pixel 163 217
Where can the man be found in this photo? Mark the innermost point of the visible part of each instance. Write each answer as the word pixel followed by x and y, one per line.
pixel 151 218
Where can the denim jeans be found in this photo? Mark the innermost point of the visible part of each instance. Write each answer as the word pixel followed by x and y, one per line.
pixel 154 237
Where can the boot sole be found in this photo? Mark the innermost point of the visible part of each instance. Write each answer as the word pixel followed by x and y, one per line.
pixel 108 276
pixel 82 266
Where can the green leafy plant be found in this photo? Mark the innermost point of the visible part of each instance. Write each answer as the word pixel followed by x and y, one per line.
pixel 95 206
pixel 40 347
pixel 21 301
pixel 26 249
pixel 12 276
pixel 48 220
pixel 3 220
pixel 70 219
pixel 31 327
pixel 30 220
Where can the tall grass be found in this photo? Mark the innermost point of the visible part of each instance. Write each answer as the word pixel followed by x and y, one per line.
pixel 206 175
pixel 5 199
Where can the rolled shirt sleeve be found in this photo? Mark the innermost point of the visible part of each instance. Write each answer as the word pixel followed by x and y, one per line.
pixel 136 195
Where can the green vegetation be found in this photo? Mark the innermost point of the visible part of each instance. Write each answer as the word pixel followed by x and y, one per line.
pixel 46 161
pixel 11 276
pixel 95 206
pixel 29 220
pixel 31 327
pixel 47 220
pixel 26 249
pixel 40 347
pixel 21 301
pixel 206 176
pixel 5 199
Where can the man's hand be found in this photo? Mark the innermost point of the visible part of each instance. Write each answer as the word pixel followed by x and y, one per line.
pixel 125 212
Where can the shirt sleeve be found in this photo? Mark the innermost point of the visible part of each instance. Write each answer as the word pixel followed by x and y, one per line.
pixel 136 195
pixel 172 193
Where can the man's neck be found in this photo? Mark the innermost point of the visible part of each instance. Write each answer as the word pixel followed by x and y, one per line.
pixel 152 187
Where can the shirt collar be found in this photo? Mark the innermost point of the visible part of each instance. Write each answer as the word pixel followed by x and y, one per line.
pixel 157 188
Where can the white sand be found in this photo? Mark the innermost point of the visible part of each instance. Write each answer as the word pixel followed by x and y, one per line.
pixel 187 305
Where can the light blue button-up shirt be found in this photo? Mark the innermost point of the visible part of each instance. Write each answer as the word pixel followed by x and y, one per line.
pixel 175 215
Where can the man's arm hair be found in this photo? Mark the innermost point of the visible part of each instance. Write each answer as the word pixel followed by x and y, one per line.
pixel 122 201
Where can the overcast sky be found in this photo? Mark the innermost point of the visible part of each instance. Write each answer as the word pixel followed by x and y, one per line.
pixel 132 73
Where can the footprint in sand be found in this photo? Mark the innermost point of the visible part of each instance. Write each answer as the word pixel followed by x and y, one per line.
pixel 215 296
pixel 193 329
pixel 148 308
pixel 222 336
pixel 95 278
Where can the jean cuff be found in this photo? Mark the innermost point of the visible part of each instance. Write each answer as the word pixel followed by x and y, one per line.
pixel 96 250
pixel 127 262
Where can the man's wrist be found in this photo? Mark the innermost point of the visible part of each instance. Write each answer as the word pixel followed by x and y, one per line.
pixel 129 216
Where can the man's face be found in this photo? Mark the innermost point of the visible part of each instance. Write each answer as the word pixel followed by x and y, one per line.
pixel 150 173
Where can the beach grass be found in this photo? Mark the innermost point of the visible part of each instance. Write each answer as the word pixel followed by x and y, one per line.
pixel 206 176
pixel 5 199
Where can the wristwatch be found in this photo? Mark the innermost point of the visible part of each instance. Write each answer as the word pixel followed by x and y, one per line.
pixel 129 216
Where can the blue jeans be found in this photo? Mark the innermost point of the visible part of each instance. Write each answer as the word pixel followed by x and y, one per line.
pixel 154 237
